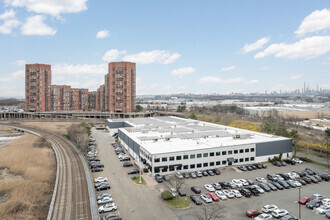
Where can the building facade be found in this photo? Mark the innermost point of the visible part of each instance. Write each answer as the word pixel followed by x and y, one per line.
pixel 91 101
pixel 79 99
pixel 165 145
pixel 60 98
pixel 37 87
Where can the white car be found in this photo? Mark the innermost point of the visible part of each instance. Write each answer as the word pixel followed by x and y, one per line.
pixel 173 192
pixel 206 198
pixel 100 179
pixel 263 216
pixel 221 195
pixel 279 213
pixel 244 182
pixel 259 188
pixel 297 183
pixel 110 207
pixel 236 193
pixel 326 202
pixel 238 183
pixel 292 175
pixel 323 209
pixel 279 177
pixel 104 200
pixel 121 155
pixel 179 175
pixel 261 180
pixel 209 187
pixel 269 208
pixel 229 194
pixel 297 160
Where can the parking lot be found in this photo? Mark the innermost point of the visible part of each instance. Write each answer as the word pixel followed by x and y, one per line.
pixel 144 202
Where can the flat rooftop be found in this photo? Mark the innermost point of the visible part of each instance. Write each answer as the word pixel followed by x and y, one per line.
pixel 160 135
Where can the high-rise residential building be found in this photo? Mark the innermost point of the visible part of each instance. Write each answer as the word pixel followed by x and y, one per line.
pixel 101 98
pixel 92 101
pixel 37 87
pixel 120 87
pixel 79 99
pixel 60 98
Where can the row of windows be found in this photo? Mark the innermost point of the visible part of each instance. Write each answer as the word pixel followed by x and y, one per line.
pixel 200 165
pixel 193 156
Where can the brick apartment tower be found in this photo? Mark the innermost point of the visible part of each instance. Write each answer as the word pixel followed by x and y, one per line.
pixel 37 87
pixel 79 99
pixel 60 98
pixel 120 87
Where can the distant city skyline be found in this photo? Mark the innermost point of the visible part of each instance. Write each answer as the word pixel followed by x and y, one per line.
pixel 178 47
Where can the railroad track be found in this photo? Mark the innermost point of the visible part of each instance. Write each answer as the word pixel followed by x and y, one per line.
pixel 72 198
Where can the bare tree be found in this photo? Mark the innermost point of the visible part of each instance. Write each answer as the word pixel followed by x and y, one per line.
pixel 177 184
pixel 327 137
pixel 213 211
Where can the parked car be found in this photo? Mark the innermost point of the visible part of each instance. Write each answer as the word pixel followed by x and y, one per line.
pixel 306 179
pixel 323 209
pixel 224 185
pixel 127 164
pixel 237 182
pixel 314 203
pixel 221 195
pixel 181 192
pixel 269 208
pixel 125 159
pixel 297 160
pixel 278 186
pixel 96 169
pixel 210 172
pixel 325 177
pixel 277 163
pixel 193 175
pixel 232 185
pixel 216 171
pixel 206 198
pixel 158 178
pixel 103 187
pixel 112 216
pixel 272 187
pixel 100 179
pixel 213 196
pixel 166 178
pixel 100 184
pixel 198 173
pixel 245 192
pixel 229 194
pixel 253 191
pixel 205 173
pixel 318 196
pixel 253 213
pixel 134 171
pixel 277 213
pixel 173 192
pixel 264 186
pixel 103 196
pixel 104 200
pixel 179 175
pixel 284 184
pixel 236 193
pixel 291 183
pixel 289 217
pixel 196 189
pixel 216 186
pixel 263 216
pixel 327 214
pixel 283 163
pixel 251 182
pixel 185 175
pixel 304 200
pixel 326 201
pixel 108 208
pixel 302 182
pixel 196 199
pixel 209 187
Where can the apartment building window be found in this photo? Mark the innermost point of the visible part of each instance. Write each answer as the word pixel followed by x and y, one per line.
pixel 199 165
pixel 217 153
pixel 205 155
pixel 192 156
pixel 241 151
pixel 252 158
pixel 192 166
pixel 199 155
pixel 205 164
pixel 224 152
pixel 211 164
pixel 252 149
pixel 185 157
pixel 171 158
pixel 235 161
pixel 156 160
pixel 217 163
pixel 247 159
pixel 178 157
pixel 247 150
pixel 241 160
pixel 185 167
pixel 164 159
pixel 235 151
pixel 230 152
pixel 224 162
pixel 212 154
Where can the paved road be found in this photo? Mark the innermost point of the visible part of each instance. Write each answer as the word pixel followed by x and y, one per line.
pixel 133 201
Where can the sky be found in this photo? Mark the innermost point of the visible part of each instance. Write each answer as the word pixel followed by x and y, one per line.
pixel 185 46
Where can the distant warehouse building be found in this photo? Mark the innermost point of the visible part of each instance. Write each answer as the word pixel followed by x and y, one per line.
pixel 169 144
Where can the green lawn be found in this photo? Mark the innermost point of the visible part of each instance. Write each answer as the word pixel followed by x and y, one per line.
pixel 136 179
pixel 183 202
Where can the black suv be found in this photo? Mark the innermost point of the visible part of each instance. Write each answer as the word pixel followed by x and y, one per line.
pixel 158 178
pixel 253 190
pixel 196 190
pixel 245 192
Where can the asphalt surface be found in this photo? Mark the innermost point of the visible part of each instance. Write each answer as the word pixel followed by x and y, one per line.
pixel 133 201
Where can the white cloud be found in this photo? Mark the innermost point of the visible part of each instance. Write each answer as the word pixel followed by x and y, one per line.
pixel 228 68
pixel 102 34
pixel 154 56
pixel 10 22
pixel 253 81
pixel 214 79
pixel 307 48
pixel 318 20
pixel 13 76
pixel 182 71
pixel 167 88
pixel 35 26
pixel 19 62
pixel 79 69
pixel 113 55
pixel 296 76
pixel 254 46
pixel 50 7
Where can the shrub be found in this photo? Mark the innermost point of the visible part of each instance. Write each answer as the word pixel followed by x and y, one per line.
pixel 145 170
pixel 166 195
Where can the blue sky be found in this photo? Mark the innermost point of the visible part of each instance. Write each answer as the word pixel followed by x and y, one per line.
pixel 179 46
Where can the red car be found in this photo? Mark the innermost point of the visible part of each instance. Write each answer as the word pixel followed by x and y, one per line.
pixel 304 200
pixel 213 196
pixel 253 213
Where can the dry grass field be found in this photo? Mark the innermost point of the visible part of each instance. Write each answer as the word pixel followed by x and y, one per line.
pixel 28 197
pixel 5 128
pixel 59 127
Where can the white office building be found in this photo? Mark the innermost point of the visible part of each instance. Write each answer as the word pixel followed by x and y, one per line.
pixel 169 144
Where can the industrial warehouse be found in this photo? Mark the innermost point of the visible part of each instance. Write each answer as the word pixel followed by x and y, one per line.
pixel 165 145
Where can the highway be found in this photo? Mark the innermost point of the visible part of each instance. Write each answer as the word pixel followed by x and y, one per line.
pixel 72 197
